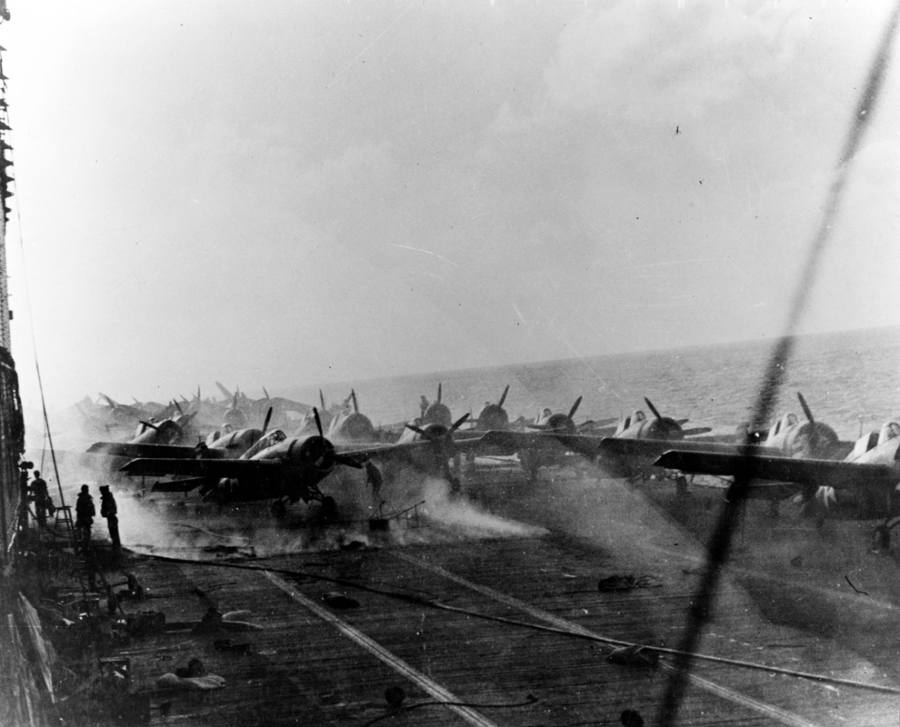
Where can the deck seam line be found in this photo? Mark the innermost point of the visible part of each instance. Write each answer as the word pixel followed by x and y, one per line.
pixel 373 647
pixel 719 690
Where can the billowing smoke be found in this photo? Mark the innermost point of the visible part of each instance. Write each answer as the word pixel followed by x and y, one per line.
pixel 410 509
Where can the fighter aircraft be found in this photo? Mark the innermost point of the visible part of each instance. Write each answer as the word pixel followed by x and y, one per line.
pixel 866 478
pixel 291 469
pixel 221 443
pixel 493 416
pixel 629 449
pixel 436 412
pixel 286 471
pixel 639 440
pixel 542 446
pixel 174 431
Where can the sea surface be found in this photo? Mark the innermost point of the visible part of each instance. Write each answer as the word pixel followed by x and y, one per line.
pixel 851 381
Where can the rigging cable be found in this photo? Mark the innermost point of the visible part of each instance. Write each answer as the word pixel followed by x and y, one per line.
pixel 34 348
pixel 720 542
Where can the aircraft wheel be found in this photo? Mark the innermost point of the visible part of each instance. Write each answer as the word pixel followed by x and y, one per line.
pixel 279 509
pixel 328 511
pixel 881 539
pixel 455 486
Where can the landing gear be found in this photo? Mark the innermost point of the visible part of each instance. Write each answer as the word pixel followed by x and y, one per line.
pixel 455 485
pixel 328 510
pixel 881 539
pixel 681 486
pixel 881 536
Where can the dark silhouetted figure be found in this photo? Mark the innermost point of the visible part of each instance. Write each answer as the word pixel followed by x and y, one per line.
pixel 84 516
pixel 109 510
pixel 41 497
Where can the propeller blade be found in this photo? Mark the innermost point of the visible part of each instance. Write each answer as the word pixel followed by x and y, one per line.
pixel 148 424
pixel 418 430
pixel 266 393
pixel 575 407
pixel 503 396
pixel 318 421
pixel 177 406
pixel 355 402
pixel 267 420
pixel 322 400
pixel 347 461
pixel 458 423
pixel 439 392
pixel 652 408
pixel 806 410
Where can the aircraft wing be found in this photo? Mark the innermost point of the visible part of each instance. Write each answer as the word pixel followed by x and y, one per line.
pixel 653 448
pixel 387 450
pixel 151 451
pixel 216 468
pixel 617 448
pixel 185 485
pixel 813 472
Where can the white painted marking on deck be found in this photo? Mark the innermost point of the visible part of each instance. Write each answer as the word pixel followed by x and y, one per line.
pixel 373 647
pixel 776 713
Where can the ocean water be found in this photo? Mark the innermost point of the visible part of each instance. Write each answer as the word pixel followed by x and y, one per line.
pixel 850 380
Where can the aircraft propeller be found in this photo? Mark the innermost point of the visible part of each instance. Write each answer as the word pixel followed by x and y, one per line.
pixel 574 407
pixel 652 408
pixel 434 436
pixel 318 421
pixel 503 396
pixel 442 439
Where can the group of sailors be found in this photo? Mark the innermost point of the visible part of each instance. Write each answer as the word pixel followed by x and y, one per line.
pixel 38 493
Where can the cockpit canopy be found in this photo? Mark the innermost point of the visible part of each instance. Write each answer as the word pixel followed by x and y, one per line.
pixel 784 421
pixel 889 430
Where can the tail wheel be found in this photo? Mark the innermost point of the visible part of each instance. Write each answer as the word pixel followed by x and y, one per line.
pixel 328 510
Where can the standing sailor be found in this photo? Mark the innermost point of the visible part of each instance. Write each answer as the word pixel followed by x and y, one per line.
pixel 109 510
pixel 41 496
pixel 84 516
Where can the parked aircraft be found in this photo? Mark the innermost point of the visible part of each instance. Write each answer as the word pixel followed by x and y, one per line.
pixel 630 448
pixel 437 412
pixel 350 426
pixel 174 431
pixel 866 478
pixel 287 471
pixel 292 468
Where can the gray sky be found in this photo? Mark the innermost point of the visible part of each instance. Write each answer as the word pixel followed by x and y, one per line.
pixel 288 193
